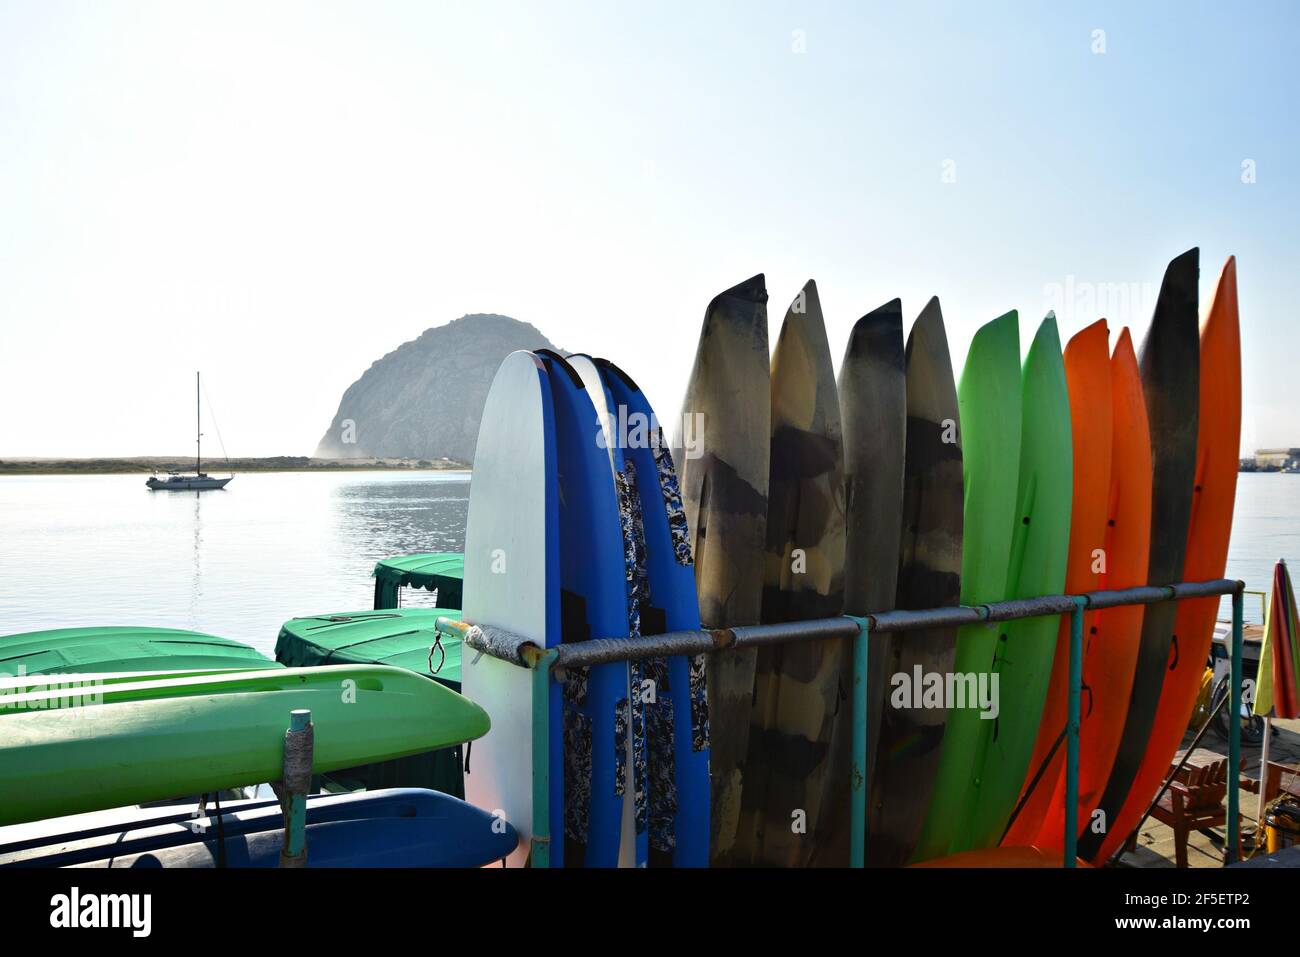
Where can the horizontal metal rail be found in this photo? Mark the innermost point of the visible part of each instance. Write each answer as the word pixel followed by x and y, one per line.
pixel 601 651
pixel 525 652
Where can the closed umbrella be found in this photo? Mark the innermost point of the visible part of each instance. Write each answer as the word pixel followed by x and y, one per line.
pixel 1278 680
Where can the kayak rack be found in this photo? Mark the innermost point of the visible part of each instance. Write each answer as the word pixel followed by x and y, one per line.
pixel 546 662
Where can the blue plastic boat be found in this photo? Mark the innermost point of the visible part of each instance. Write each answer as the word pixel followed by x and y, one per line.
pixel 399 827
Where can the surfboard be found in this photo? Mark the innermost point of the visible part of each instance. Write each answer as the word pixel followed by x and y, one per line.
pixel 633 845
pixel 799 687
pixel 1111 634
pixel 988 398
pixel 873 417
pixel 1170 364
pixel 604 723
pixel 512 581
pixel 721 453
pixel 1213 496
pixel 929 576
pixel 676 710
pixel 1026 647
pixel 1087 377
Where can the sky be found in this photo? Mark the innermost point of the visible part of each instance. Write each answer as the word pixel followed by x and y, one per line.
pixel 280 193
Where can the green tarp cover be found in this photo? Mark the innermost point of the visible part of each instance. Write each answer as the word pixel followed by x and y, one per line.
pixel 400 637
pixel 443 571
pixel 123 648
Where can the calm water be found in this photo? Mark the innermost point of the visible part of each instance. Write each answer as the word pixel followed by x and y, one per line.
pixel 101 549
pixel 82 550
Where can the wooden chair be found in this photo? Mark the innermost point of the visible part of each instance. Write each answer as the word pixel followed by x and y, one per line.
pixel 1280 778
pixel 1194 802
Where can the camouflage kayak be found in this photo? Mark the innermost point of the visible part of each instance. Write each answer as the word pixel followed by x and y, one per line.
pixel 799 687
pixel 873 409
pixel 721 453
pixel 929 576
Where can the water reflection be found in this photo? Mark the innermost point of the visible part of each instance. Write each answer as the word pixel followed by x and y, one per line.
pixel 96 550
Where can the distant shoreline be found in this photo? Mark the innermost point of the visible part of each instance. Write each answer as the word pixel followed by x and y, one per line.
pixel 145 464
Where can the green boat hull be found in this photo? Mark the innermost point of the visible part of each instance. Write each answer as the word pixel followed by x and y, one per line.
pixel 401 638
pixel 1026 647
pixel 67 750
pixel 123 648
pixel 989 399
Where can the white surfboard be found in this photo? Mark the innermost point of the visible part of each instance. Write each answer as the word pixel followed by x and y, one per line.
pixel 511 582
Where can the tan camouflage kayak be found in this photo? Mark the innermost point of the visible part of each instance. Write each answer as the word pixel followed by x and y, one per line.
pixel 721 454
pixel 873 410
pixel 799 687
pixel 929 576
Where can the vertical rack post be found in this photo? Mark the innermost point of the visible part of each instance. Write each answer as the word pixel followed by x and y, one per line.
pixel 858 777
pixel 1072 740
pixel 296 781
pixel 1234 733
pixel 540 852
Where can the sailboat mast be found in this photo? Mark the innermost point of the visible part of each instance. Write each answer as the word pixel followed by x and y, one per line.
pixel 198 428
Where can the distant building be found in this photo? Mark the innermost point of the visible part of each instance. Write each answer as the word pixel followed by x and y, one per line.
pixel 1275 459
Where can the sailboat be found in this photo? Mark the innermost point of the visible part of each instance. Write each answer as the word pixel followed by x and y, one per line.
pixel 200 481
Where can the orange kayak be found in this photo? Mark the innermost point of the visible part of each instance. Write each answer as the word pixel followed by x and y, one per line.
pixel 1008 856
pixel 1111 639
pixel 1214 493
pixel 1087 375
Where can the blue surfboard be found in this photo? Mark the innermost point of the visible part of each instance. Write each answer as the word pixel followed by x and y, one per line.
pixel 664 599
pixel 602 767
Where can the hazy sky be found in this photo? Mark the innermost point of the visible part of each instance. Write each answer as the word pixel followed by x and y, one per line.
pixel 280 193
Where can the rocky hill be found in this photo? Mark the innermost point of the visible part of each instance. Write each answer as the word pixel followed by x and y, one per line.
pixel 424 399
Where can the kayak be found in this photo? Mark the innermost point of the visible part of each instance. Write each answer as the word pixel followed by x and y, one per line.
pixel 1010 856
pixel 1210 525
pixel 721 452
pixel 798 687
pixel 873 414
pixel 399 637
pixel 400 827
pixel 1025 647
pixel 1087 376
pixel 929 576
pixel 988 399
pixel 1170 363
pixel 70 743
pixel 1111 635
pixel 123 648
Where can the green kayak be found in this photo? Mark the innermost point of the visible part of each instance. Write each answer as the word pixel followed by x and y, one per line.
pixel 116 648
pixel 989 399
pixel 404 638
pixel 65 750
pixel 1039 548
pixel 400 637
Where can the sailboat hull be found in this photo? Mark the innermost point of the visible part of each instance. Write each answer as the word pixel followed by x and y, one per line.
pixel 187 483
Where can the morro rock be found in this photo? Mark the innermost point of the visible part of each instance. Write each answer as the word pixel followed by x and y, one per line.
pixel 424 399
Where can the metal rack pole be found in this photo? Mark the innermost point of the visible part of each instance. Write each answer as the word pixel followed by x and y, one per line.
pixel 1072 743
pixel 1234 733
pixel 860 772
